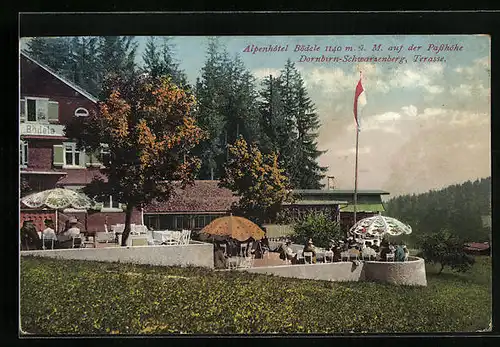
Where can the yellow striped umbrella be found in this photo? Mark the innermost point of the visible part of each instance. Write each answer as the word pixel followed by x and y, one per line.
pixel 238 228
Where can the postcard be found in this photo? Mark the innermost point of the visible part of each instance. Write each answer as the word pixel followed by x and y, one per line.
pixel 255 185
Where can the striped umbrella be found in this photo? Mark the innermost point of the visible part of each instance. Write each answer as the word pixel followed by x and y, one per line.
pixel 379 226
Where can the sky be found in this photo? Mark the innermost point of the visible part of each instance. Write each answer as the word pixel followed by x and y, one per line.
pixel 426 125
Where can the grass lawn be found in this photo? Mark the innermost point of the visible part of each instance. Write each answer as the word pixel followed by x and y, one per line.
pixel 81 297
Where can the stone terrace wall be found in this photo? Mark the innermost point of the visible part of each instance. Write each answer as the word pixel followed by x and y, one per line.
pixel 411 272
pixel 194 254
pixel 343 271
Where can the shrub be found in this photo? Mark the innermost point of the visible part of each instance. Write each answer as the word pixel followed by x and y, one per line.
pixel 317 226
pixel 445 249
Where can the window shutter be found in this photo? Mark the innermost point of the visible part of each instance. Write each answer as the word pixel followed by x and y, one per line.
pixel 53 112
pixel 22 110
pixel 58 155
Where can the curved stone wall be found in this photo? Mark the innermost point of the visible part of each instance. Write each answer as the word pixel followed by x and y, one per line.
pixel 411 272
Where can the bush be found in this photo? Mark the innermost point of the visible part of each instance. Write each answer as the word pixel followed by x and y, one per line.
pixel 445 249
pixel 319 227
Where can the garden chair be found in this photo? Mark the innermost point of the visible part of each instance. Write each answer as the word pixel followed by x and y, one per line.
pixel 308 256
pixel 389 257
pixel 246 262
pixel 344 255
pixel 76 242
pixel 328 254
pixel 174 239
pixel 47 242
pixel 243 249
pixel 103 237
pixel 300 255
pixel 232 263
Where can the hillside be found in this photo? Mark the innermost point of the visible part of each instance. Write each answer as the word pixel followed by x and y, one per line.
pixel 457 208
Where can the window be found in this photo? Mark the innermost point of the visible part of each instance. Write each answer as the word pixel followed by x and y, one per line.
pixel 37 109
pixel 105 155
pixel 81 112
pixel 110 203
pixel 72 157
pixel 23 154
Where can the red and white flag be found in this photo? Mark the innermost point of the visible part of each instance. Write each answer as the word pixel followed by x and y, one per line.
pixel 359 102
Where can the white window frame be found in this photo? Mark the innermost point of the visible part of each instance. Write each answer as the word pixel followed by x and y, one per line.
pixel 108 206
pixel 103 151
pixel 74 150
pixel 36 99
pixel 84 110
pixel 23 154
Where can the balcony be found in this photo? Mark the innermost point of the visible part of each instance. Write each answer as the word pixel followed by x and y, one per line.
pixel 41 129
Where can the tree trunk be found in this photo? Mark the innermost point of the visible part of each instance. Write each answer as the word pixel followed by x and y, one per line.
pixel 128 217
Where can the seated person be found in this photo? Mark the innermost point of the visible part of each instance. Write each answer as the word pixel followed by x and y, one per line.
pixel 309 247
pixel 290 254
pixel 399 253
pixel 375 246
pixel 29 236
pixel 220 261
pixel 407 253
pixel 49 233
pixel 71 232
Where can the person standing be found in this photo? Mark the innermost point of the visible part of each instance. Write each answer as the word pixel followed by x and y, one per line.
pixel 29 236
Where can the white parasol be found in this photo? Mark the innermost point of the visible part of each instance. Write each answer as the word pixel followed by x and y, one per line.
pixel 378 226
pixel 58 198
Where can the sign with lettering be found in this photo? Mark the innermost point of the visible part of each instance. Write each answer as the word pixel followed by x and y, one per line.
pixel 41 129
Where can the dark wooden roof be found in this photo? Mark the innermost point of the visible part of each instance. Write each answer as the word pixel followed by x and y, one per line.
pixel 203 196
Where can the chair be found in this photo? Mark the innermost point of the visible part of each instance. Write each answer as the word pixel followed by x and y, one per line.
pixel 300 255
pixel 344 255
pixel 76 242
pixel 308 256
pixel 328 254
pixel 366 255
pixel 47 242
pixel 102 237
pixel 173 239
pixel 232 262
pixel 243 249
pixel 389 256
pixel 246 262
pixel 157 238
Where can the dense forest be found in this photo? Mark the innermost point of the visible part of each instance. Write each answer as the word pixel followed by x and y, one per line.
pixel 457 208
pixel 276 114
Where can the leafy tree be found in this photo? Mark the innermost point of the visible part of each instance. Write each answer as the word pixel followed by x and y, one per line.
pixel 148 125
pixel 257 179
pixel 319 227
pixel 445 249
pixel 83 64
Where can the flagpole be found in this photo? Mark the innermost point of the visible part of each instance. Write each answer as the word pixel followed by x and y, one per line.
pixel 356 166
pixel 356 174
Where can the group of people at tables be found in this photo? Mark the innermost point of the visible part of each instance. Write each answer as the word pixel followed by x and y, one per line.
pixel 224 251
pixel 399 252
pixel 32 239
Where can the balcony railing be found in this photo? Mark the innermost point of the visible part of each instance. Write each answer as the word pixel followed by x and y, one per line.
pixel 41 129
